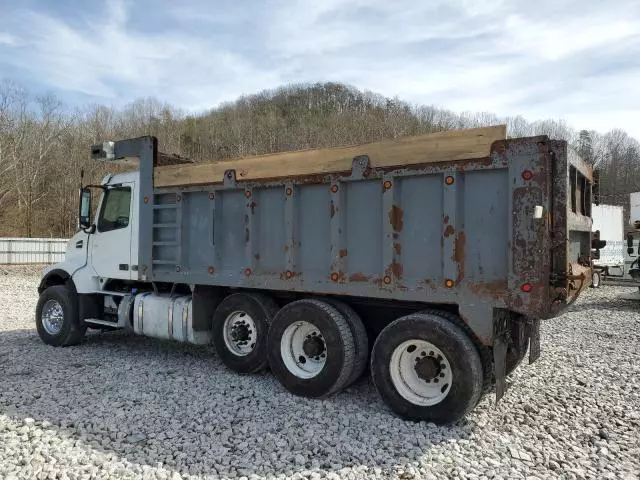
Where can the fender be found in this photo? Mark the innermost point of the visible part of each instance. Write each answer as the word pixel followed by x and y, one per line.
pixel 89 305
pixel 57 276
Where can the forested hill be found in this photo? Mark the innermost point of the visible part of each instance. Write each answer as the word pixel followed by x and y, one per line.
pixel 44 144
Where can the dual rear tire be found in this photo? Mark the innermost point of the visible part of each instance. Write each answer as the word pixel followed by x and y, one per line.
pixel 424 365
pixel 314 347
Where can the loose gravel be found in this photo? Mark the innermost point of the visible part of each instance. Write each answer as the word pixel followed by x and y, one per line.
pixel 121 406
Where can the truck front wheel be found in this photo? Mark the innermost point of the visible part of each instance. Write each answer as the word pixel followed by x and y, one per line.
pixel 57 317
pixel 427 368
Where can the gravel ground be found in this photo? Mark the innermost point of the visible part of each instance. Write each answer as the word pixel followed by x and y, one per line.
pixel 120 406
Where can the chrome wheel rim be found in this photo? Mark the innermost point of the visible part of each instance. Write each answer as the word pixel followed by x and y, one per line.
pixel 303 349
pixel 52 317
pixel 420 372
pixel 240 333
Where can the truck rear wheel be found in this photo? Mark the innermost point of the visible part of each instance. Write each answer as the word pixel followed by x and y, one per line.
pixel 360 339
pixel 427 368
pixel 240 328
pixel 311 348
pixel 57 317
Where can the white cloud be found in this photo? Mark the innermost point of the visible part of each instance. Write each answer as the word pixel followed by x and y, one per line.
pixel 106 58
pixel 578 60
pixel 7 39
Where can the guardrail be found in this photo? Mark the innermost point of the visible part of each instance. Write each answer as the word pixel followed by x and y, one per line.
pixel 21 251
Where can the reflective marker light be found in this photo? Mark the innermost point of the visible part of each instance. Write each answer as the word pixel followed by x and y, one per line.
pixel 526 287
pixel 527 175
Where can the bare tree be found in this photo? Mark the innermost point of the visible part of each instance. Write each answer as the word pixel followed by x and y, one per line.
pixel 43 147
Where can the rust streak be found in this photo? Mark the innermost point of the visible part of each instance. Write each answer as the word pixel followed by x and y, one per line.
pixel 342 253
pixel 395 218
pixel 359 277
pixel 396 269
pixel 458 248
pixel 332 209
pixel 397 248
pixel 449 231
pixel 493 289
pixel 458 255
pixel 289 275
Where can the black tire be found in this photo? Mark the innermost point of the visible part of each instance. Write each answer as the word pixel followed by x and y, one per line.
pixel 461 353
pixel 261 309
pixel 486 353
pixel 70 333
pixel 596 279
pixel 360 338
pixel 340 348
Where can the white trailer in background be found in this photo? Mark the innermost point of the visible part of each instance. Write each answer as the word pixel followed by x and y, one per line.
pixel 609 221
pixel 634 211
pixel 633 238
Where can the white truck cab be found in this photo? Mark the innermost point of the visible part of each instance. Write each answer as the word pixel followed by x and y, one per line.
pixel 105 249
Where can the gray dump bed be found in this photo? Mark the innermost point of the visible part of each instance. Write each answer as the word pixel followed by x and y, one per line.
pixel 464 232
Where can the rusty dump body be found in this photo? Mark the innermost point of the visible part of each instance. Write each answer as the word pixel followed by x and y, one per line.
pixel 506 232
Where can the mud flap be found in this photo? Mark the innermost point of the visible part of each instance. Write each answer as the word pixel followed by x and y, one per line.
pixel 534 340
pixel 500 344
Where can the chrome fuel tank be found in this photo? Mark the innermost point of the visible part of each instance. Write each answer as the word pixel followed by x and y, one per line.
pixel 168 317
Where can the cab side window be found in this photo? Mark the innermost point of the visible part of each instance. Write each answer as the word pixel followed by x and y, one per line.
pixel 115 209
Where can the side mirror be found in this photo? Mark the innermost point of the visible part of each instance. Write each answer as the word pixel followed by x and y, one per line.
pixel 595 187
pixel 84 214
pixel 629 244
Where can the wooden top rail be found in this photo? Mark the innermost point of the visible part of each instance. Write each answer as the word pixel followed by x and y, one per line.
pixel 429 148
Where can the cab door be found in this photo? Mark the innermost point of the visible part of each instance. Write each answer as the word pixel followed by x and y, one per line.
pixel 111 242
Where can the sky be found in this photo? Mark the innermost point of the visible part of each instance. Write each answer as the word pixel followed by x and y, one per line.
pixel 575 60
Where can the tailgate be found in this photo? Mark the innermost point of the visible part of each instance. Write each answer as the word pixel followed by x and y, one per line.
pixel 570 225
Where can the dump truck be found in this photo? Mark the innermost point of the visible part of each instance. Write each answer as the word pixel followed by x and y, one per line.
pixel 427 261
